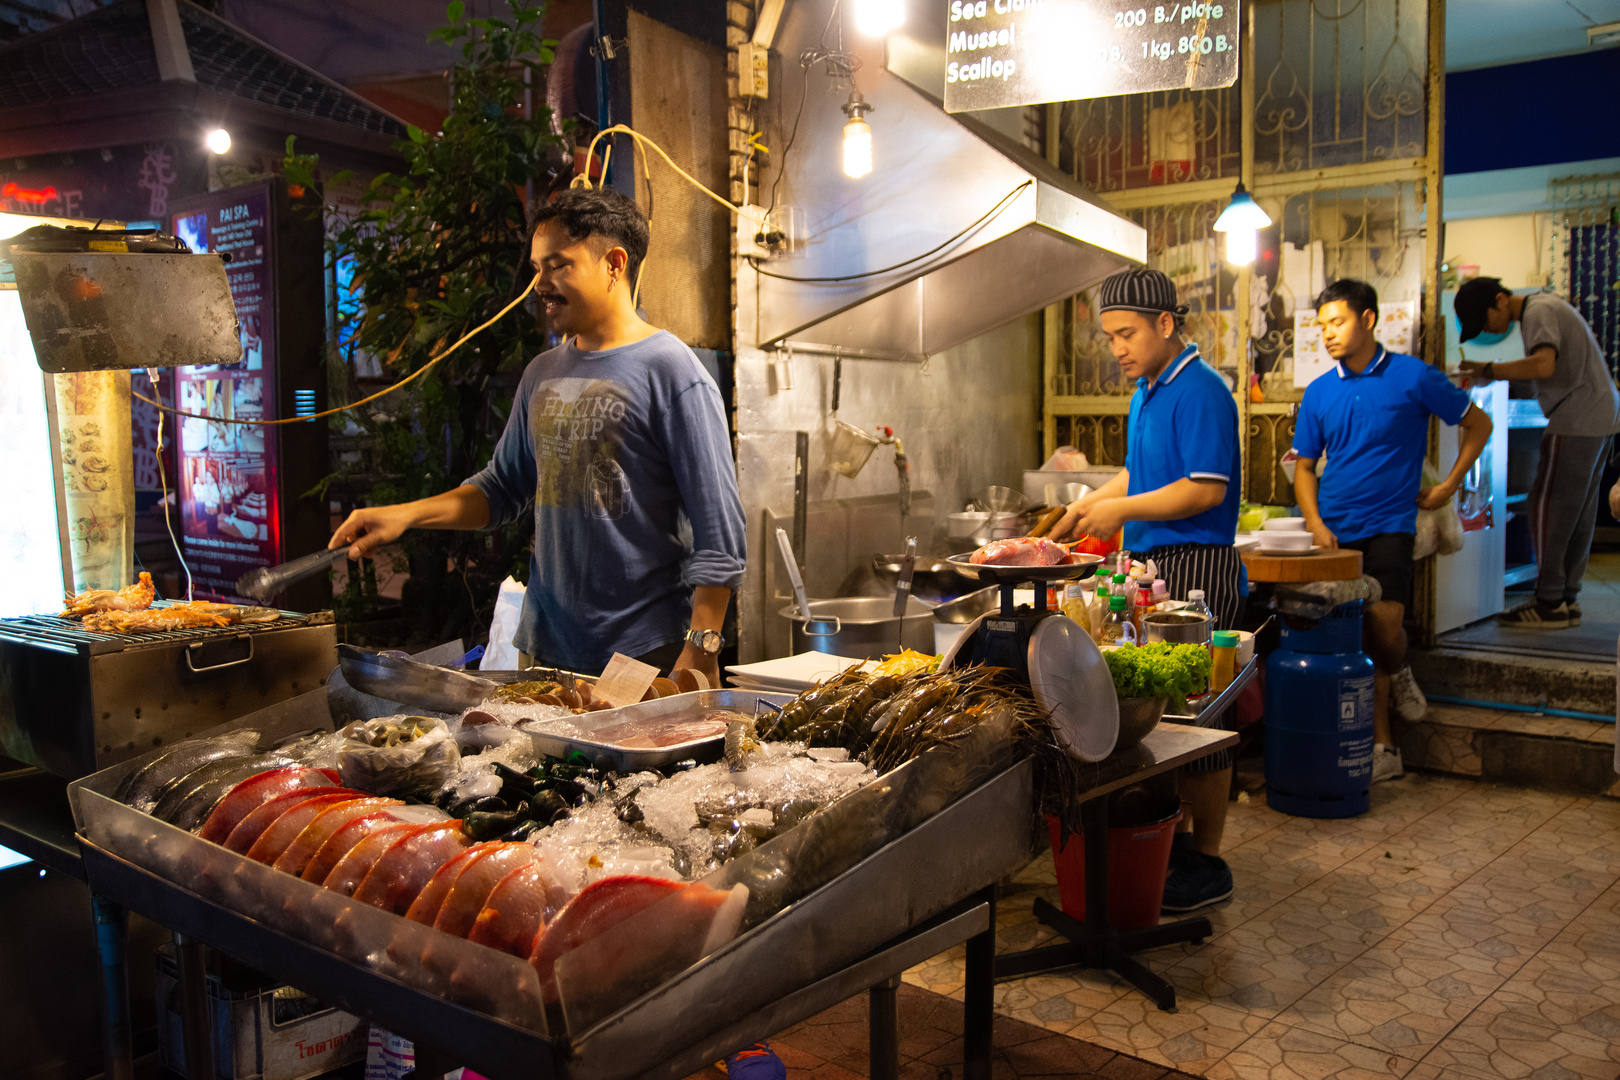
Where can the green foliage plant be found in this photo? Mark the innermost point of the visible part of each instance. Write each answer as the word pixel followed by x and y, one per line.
pixel 437 249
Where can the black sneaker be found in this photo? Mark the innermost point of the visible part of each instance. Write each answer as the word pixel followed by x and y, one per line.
pixel 1533 615
pixel 1196 881
pixel 1574 608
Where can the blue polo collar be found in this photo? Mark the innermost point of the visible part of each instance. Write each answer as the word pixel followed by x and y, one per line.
pixel 1183 358
pixel 1371 369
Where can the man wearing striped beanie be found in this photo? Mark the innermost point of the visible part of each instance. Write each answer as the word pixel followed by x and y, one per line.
pixel 1177 500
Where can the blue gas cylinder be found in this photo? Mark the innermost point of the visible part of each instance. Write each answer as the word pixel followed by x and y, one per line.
pixel 1319 719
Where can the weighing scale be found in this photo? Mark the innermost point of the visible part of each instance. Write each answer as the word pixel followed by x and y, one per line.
pixel 1045 651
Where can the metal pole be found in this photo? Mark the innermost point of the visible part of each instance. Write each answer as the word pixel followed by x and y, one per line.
pixel 196 1026
pixel 979 998
pixel 883 1010
pixel 1245 275
pixel 112 934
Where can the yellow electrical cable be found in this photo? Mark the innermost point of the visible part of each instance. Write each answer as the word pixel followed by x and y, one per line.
pixel 583 180
pixel 417 374
pixel 620 129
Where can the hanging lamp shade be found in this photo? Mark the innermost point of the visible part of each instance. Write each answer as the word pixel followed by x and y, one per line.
pixel 1241 213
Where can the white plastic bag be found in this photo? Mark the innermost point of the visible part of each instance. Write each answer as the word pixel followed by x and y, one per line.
pixel 417 755
pixel 500 654
pixel 1438 531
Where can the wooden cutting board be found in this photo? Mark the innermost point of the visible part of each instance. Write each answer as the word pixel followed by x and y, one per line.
pixel 1336 565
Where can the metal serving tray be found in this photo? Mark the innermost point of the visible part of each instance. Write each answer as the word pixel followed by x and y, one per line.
pixel 849 880
pixel 625 759
pixel 429 686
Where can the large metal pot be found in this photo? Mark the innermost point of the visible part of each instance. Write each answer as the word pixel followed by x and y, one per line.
pixel 1177 627
pixel 863 626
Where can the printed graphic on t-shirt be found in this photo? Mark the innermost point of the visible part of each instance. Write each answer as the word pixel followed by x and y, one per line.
pixel 578 430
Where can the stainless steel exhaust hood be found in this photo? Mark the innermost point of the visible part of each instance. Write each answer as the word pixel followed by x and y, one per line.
pixel 935 176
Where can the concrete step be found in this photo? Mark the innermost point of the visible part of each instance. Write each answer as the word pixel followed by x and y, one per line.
pixel 1546 753
pixel 1577 685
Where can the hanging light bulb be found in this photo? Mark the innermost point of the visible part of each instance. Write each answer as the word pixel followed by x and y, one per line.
pixel 1241 221
pixel 857 137
pixel 878 18
pixel 218 141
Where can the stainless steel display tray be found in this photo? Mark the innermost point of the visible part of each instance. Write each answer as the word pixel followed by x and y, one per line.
pixel 430 686
pixel 627 759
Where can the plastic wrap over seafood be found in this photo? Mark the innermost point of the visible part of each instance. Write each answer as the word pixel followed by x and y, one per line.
pixel 398 755
pixel 425 908
pixel 297 855
pixel 280 834
pixel 406 866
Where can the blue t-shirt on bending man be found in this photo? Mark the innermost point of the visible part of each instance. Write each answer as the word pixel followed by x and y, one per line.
pixel 1184 426
pixel 625 456
pixel 1374 428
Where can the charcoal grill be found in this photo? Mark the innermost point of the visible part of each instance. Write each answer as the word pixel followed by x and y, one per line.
pixel 73 702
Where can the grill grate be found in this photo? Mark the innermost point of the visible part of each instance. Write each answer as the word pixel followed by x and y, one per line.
pixel 54 630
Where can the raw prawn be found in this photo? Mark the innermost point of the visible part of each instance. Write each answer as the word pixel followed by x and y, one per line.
pixel 136 597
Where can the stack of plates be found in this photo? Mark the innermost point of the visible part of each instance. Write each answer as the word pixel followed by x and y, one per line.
pixel 791 674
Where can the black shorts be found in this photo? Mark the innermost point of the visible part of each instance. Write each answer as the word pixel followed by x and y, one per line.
pixel 1388 558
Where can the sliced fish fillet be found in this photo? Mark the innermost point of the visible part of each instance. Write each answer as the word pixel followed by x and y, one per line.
pixel 406 867
pixel 425 908
pixel 599 906
pixel 247 831
pixel 332 818
pixel 257 790
pixel 352 869
pixel 476 882
pixel 341 842
pixel 515 911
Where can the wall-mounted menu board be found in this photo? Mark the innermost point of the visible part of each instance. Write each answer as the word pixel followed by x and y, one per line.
pixel 1003 53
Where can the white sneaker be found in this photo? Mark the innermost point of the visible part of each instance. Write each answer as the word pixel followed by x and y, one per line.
pixel 1406 697
pixel 1386 764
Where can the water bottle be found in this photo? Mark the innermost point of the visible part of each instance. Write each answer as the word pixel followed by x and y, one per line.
pixel 1196 605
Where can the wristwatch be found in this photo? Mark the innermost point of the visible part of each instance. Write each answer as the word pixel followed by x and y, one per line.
pixel 707 640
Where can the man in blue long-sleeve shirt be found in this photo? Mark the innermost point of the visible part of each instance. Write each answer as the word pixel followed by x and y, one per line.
pixel 618 439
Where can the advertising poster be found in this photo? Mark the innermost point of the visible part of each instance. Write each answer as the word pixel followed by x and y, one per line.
pixel 227 472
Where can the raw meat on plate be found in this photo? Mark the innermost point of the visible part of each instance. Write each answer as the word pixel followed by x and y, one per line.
pixel 1022 551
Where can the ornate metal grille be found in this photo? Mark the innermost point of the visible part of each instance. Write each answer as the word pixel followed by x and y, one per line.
pixel 1586 243
pixel 1339 82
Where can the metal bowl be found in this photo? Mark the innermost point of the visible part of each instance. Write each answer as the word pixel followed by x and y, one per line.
pixel 1137 717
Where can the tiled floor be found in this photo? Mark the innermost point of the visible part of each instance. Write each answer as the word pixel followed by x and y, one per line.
pixel 1458 931
pixel 833 1046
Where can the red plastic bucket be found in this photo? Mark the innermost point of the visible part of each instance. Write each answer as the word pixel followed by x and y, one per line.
pixel 1138 862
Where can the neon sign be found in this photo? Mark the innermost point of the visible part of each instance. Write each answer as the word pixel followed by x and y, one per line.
pixel 28 195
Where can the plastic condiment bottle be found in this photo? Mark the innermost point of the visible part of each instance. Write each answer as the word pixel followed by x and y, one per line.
pixel 1197 606
pixel 1161 592
pixel 1144 607
pixel 1225 653
pixel 1116 625
pixel 1073 604
pixel 1124 586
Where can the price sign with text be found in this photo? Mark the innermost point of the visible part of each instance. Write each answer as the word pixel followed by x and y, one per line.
pixel 1003 53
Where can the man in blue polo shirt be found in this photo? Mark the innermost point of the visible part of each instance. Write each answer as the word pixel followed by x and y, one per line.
pixel 1370 415
pixel 1177 499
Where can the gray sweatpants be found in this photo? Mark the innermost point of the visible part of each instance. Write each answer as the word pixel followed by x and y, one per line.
pixel 1563 512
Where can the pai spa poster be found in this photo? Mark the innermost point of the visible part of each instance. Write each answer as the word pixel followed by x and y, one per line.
pixel 227 471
